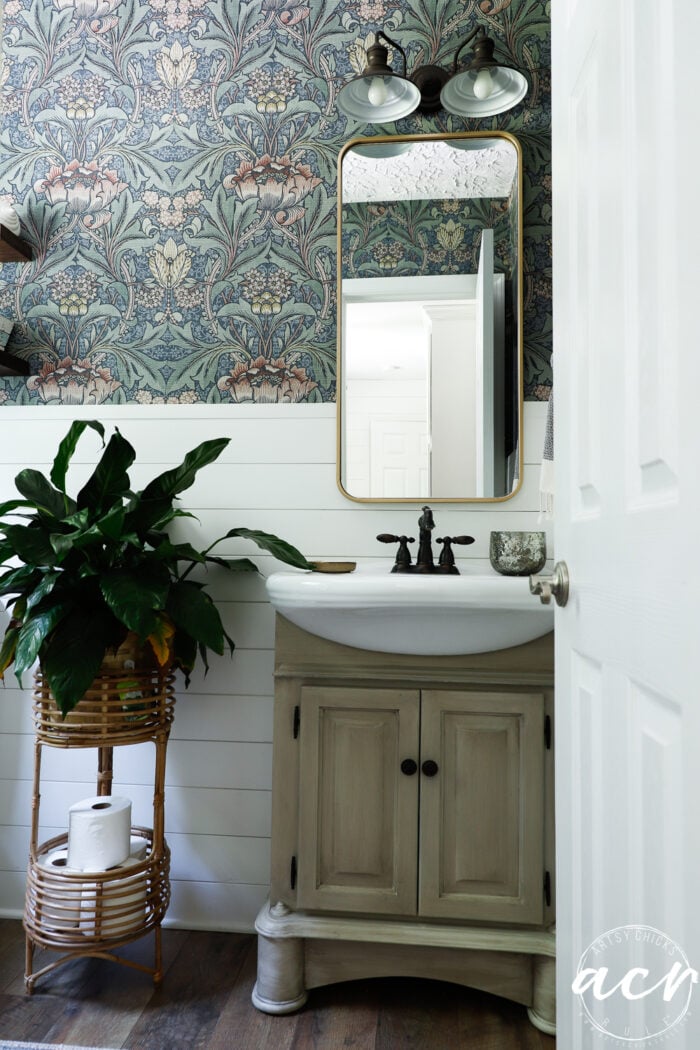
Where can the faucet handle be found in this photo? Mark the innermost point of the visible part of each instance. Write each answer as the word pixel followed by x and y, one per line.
pixel 403 555
pixel 446 563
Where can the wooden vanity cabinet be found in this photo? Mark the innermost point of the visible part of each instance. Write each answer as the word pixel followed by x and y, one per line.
pixel 412 821
pixel 421 803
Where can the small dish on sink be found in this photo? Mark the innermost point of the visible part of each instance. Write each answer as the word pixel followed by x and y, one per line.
pixel 333 566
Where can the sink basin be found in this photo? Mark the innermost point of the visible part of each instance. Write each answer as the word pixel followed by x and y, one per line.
pixel 370 608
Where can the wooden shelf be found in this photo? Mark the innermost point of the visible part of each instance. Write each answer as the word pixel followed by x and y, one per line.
pixel 13 248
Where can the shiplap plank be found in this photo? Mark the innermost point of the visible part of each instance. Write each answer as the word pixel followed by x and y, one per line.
pixel 240 718
pixel 219 858
pixel 533 431
pixel 268 433
pixel 215 906
pixel 249 672
pixel 191 763
pixel 12 886
pixel 204 811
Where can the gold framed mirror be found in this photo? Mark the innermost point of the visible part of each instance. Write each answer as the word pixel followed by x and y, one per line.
pixel 430 391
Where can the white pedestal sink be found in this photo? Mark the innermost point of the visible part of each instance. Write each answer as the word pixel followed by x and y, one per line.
pixel 373 608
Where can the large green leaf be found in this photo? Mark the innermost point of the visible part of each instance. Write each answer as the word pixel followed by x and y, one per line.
pixel 110 479
pixel 234 564
pixel 67 448
pixel 111 524
pixel 73 653
pixel 7 649
pixel 180 478
pixel 171 553
pixel 193 612
pixel 20 580
pixel 32 635
pixel 43 589
pixel 135 597
pixel 30 544
pixel 35 487
pixel 11 505
pixel 282 550
pixel 185 653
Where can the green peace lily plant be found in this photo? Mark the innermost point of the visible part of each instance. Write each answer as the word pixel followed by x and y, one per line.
pixel 82 572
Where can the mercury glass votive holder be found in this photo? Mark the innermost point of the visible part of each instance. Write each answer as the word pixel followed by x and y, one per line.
pixel 518 553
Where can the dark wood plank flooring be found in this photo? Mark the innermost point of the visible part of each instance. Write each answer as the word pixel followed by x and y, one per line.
pixel 204 1004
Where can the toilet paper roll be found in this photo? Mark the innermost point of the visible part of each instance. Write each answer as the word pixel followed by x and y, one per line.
pixel 138 847
pixel 63 914
pixel 109 907
pixel 99 832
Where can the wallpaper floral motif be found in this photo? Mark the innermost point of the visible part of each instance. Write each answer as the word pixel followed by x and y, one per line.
pixel 423 238
pixel 173 163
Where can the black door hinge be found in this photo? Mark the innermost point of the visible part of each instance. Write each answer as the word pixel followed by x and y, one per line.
pixel 547 732
pixel 547 888
pixel 297 720
pixel 293 873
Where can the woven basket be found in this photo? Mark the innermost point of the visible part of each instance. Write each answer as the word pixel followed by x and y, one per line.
pixel 68 911
pixel 132 699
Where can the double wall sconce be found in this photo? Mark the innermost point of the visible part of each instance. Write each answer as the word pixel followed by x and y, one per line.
pixel 486 87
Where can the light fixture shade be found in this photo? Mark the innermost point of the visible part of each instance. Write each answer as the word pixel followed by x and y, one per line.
pixel 510 86
pixel 402 98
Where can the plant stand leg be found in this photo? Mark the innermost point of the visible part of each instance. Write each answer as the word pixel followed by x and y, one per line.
pixel 28 966
pixel 158 960
pixel 104 770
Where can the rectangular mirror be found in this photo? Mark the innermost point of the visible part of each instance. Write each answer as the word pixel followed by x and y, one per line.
pixel 430 317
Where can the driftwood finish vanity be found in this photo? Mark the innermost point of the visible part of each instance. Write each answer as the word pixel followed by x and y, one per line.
pixel 412 824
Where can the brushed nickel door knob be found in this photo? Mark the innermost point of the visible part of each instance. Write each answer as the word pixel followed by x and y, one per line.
pixel 555 583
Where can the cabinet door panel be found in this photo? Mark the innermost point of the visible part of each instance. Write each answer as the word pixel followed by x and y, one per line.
pixel 357 818
pixel 481 815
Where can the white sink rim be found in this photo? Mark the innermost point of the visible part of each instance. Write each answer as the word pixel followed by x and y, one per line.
pixel 372 608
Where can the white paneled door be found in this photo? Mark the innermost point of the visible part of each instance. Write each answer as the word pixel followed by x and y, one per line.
pixel 626 317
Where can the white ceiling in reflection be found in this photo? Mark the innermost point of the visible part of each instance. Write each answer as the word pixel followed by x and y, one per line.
pixel 431 170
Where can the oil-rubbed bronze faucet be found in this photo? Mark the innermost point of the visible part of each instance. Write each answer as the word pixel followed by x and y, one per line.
pixel 424 561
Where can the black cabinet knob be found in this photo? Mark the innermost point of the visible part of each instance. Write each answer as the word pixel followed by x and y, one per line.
pixel 429 767
pixel 409 766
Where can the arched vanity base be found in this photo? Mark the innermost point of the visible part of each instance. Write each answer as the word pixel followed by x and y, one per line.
pixel 298 952
pixel 412 822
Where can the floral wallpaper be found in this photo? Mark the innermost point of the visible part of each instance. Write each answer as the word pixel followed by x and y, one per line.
pixel 423 238
pixel 173 163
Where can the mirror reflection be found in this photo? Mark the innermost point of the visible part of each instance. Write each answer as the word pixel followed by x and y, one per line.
pixel 429 395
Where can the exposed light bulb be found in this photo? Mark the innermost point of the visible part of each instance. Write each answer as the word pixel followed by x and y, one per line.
pixel 377 92
pixel 483 84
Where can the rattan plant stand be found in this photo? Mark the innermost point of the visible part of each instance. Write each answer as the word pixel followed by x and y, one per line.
pixel 95 913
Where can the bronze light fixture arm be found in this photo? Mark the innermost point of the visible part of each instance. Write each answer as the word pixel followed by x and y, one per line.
pixel 393 43
pixel 467 40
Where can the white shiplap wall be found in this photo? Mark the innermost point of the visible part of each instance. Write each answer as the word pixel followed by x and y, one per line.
pixel 277 474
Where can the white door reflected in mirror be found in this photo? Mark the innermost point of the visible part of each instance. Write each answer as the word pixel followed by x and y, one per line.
pixel 423 380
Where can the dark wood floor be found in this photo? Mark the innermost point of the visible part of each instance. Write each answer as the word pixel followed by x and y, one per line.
pixel 204 1004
